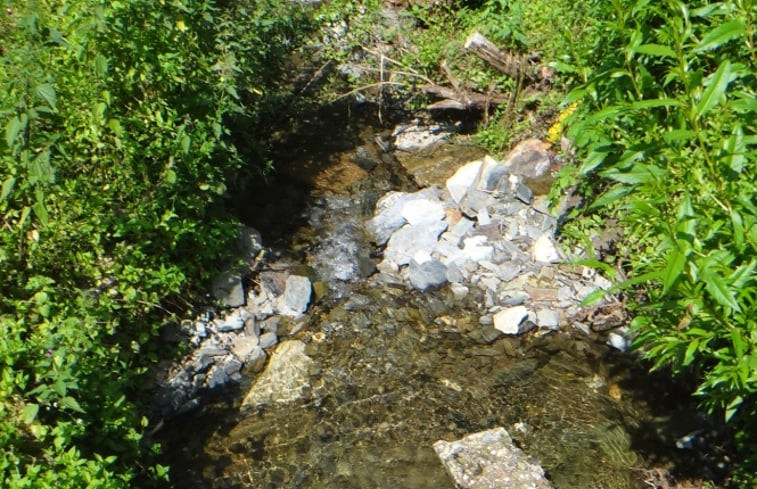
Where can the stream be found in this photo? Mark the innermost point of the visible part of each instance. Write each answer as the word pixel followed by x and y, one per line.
pixel 394 369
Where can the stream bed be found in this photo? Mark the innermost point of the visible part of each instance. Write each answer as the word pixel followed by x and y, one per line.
pixel 392 370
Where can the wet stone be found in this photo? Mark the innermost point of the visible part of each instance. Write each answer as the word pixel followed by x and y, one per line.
pixel 490 460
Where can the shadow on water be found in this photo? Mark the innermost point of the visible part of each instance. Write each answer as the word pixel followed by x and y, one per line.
pixel 393 371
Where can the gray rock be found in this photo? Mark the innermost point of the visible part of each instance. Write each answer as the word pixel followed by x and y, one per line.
pixel 285 379
pixel 232 322
pixel 250 244
pixel 268 340
pixel 296 296
pixel 217 378
pixel 431 273
pixel 243 346
pixel 548 319
pixel 231 366
pixel 256 359
pixel 529 159
pixel 227 288
pixel 413 239
pixel 366 157
pixel 524 193
pixel 490 460
pixel 459 291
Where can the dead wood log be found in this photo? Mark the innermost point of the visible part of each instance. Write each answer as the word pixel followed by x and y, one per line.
pixel 511 65
pixel 467 100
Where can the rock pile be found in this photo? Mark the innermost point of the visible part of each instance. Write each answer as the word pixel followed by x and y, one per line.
pixel 230 346
pixel 484 230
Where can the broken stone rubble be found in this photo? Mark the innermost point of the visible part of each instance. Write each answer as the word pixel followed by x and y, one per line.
pixel 484 229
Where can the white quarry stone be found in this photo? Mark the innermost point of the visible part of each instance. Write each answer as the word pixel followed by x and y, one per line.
pixel 411 239
pixel 285 378
pixel 471 175
pixel 490 460
pixel 296 296
pixel 422 210
pixel 509 320
pixel 545 251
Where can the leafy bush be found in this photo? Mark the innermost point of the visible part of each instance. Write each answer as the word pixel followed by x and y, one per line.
pixel 114 158
pixel 666 133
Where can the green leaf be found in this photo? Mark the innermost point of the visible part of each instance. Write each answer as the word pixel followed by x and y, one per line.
pixel 656 102
pixel 47 93
pixel 735 150
pixel 101 65
pixel 683 135
pixel 12 129
pixel 738 228
pixel 170 177
pixel 676 261
pixel 185 143
pixel 29 413
pixel 719 291
pixel 691 350
pixel 7 188
pixel 592 161
pixel 655 50
pixel 72 404
pixel 733 408
pixel 721 35
pixel 715 90
pixel 639 173
pixel 615 193
pixel 41 212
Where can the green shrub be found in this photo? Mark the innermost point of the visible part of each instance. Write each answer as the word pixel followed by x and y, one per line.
pixel 114 155
pixel 666 134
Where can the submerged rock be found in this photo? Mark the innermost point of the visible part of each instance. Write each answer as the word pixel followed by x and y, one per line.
pixel 285 379
pixel 490 460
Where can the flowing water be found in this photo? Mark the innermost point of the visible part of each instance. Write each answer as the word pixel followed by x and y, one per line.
pixel 395 370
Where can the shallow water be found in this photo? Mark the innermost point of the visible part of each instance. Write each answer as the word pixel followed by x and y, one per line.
pixel 396 370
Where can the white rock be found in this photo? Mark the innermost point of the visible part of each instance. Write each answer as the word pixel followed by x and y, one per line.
pixel 411 239
pixel 618 341
pixel 483 217
pixel 471 175
pixel 544 250
pixel 296 296
pixel 459 291
pixel 422 210
pixel 509 320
